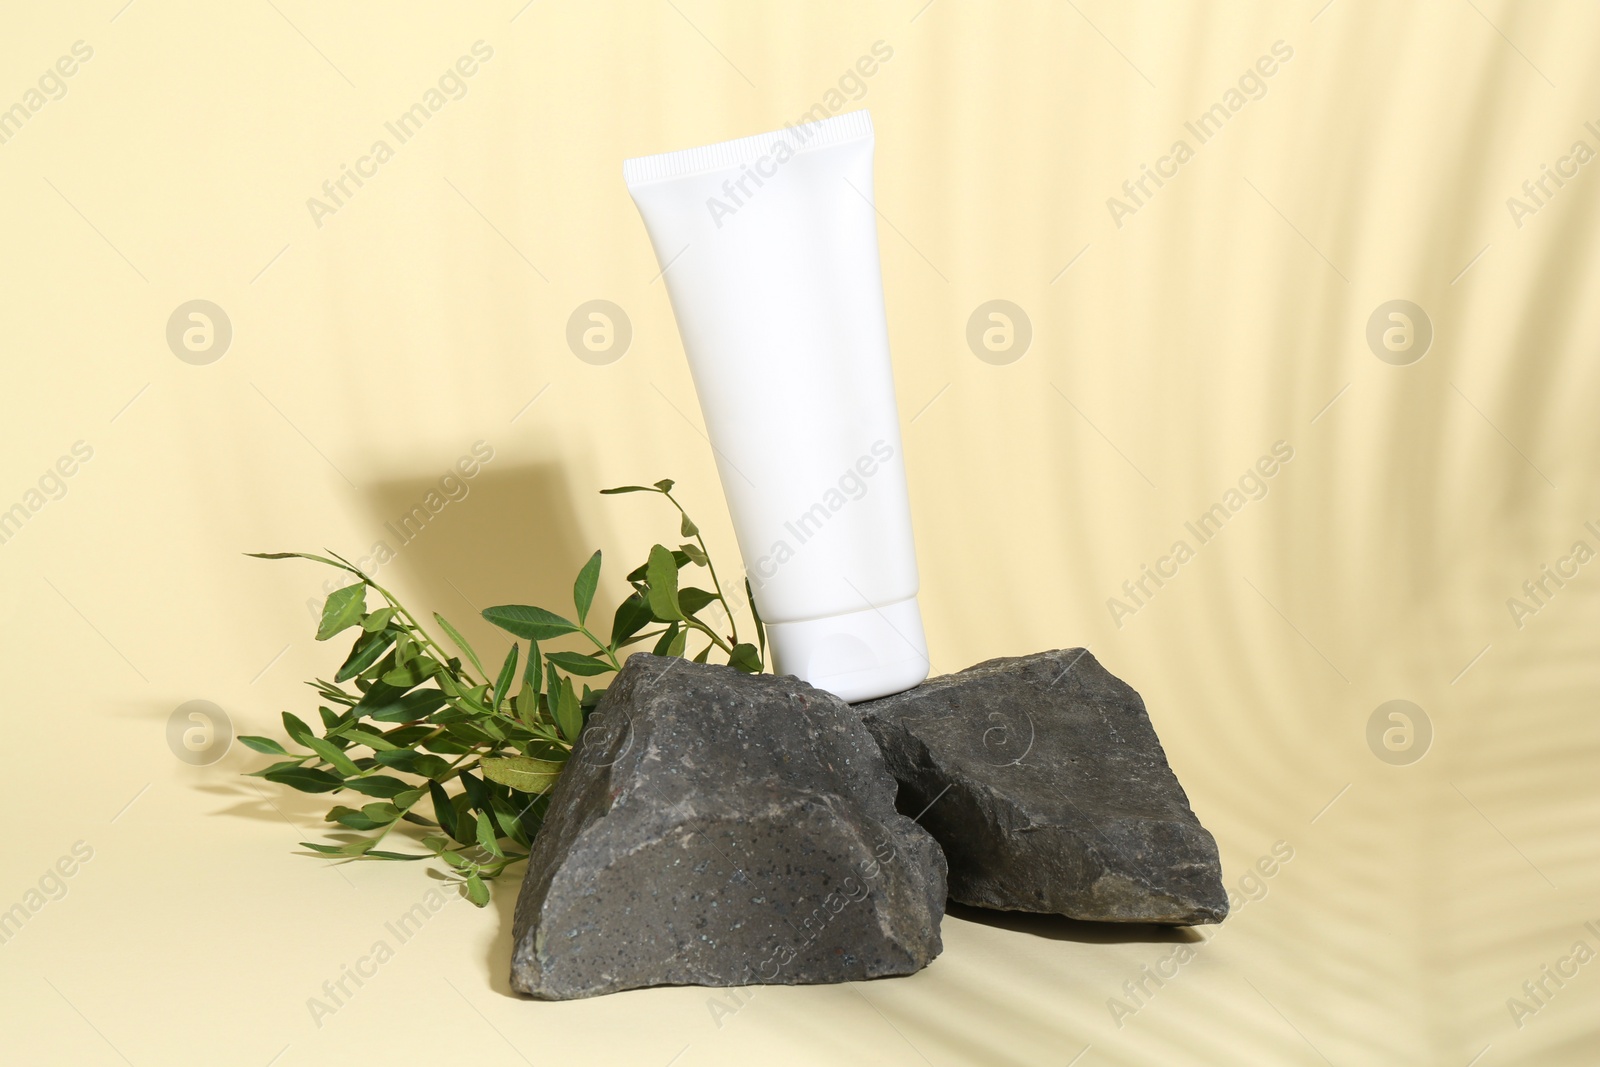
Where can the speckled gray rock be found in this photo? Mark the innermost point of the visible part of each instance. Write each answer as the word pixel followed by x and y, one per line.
pixel 715 828
pixel 1045 783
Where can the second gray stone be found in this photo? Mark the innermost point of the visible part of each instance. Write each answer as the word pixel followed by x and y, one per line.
pixel 1045 783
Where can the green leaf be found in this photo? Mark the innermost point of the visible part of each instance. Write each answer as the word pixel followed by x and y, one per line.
pixel 393 706
pixel 357 736
pixel 264 744
pixel 331 752
pixel 409 734
pixel 688 529
pixel 377 620
pixel 374 854
pixel 443 809
pixel 522 773
pixel 692 600
pixel 583 589
pixel 418 670
pixel 327 850
pixel 579 663
pixel 568 714
pixel 675 648
pixel 460 737
pixel 662 574
pixel 665 485
pixel 368 649
pixel 281 765
pixel 297 730
pixel 506 820
pixel 528 698
pixel 696 556
pixel 461 643
pixel 680 559
pixel 370 817
pixel 633 615
pixel 621 489
pixel 455 859
pixel 430 766
pixel 331 692
pixel 548 747
pixel 305 779
pixel 531 674
pixel 378 785
pixel 477 792
pixel 529 623
pixel 528 705
pixel 466 826
pixel 745 657
pixel 508 674
pixel 407 800
pixel 704 654
pixel 668 637
pixel 372 675
pixel 382 811
pixel 343 609
pixel 477 891
pixel 305 555
pixel 487 837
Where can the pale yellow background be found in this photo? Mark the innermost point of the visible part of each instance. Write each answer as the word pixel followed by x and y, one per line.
pixel 1225 315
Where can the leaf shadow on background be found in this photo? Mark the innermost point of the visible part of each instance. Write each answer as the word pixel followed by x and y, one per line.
pixel 511 536
pixel 264 801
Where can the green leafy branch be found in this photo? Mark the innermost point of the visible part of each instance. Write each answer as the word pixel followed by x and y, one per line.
pixel 404 720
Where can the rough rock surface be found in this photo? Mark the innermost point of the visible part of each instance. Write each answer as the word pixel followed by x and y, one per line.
pixel 716 828
pixel 1044 781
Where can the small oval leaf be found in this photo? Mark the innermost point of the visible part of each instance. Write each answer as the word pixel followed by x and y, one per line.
pixel 662 574
pixel 522 773
pixel 583 589
pixel 263 744
pixel 343 609
pixel 528 623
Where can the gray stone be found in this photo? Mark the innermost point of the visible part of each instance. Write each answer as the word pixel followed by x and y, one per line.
pixel 722 829
pixel 1044 781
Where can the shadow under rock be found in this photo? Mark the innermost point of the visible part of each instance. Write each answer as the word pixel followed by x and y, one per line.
pixel 503 901
pixel 1061 928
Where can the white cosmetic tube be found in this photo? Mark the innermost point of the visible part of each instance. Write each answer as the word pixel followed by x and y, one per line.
pixel 769 249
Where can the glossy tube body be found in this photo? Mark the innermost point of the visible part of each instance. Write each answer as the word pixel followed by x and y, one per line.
pixel 769 250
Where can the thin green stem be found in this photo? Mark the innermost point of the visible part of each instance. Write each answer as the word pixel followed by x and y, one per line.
pixel 410 619
pixel 709 632
pixel 644 637
pixel 610 655
pixel 761 630
pixel 715 583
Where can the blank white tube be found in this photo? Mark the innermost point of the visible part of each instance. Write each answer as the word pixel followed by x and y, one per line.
pixel 769 249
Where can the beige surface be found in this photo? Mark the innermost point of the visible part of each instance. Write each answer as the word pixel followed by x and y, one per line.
pixel 1225 314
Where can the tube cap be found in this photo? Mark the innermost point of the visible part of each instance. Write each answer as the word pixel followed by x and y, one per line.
pixel 858 656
